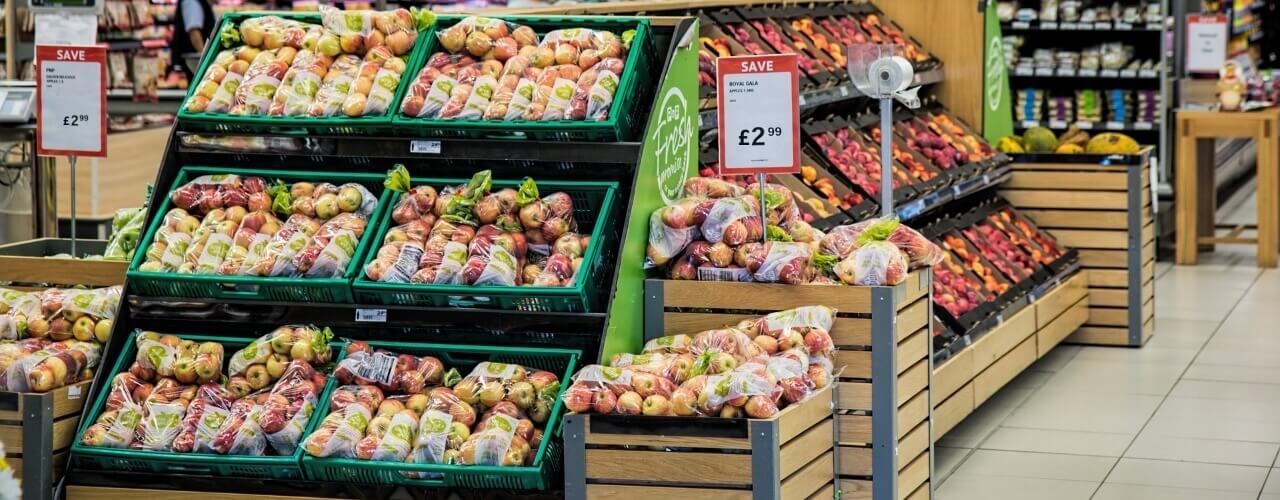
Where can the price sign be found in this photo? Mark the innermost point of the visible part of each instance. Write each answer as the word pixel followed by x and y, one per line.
pixel 71 100
pixel 759 114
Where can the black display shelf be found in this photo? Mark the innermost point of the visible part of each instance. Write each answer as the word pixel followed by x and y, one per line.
pixel 1107 26
pixel 1106 126
pixel 1110 74
pixel 955 192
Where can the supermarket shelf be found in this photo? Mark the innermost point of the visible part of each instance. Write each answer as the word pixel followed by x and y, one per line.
pixel 952 193
pixel 819 97
pixel 1087 125
pixel 1140 74
pixel 1117 26
pixel 133 43
pixel 121 102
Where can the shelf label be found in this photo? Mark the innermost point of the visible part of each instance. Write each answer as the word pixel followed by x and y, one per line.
pixel 1101 25
pixel 1109 73
pixel 758 114
pixel 1057 124
pixel 1128 73
pixel 1084 26
pixel 1083 125
pixel 1155 26
pixel 1066 72
pixel 1020 25
pixel 1122 26
pixel 424 147
pixel 73 120
pixel 1044 71
pixel 371 315
pixel 1143 125
pixel 73 392
pixel 1067 26
pixel 1115 125
pixel 1023 71
pixel 1087 72
pixel 844 91
pixel 1048 25
pixel 1148 73
pixel 1030 123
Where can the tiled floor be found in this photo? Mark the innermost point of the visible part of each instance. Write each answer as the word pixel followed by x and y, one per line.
pixel 1195 414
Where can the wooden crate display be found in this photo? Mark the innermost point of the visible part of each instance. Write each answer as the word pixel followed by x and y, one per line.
pixel 1100 205
pixel 619 456
pixel 882 392
pixel 26 264
pixel 970 377
pixel 37 430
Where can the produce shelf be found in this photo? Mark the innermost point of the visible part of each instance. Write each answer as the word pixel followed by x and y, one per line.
pixel 1109 26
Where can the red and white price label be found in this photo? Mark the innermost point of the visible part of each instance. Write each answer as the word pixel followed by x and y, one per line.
pixel 71 100
pixel 758 102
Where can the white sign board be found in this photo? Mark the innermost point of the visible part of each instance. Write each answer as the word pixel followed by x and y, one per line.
pixel 71 101
pixel 1206 42
pixel 759 114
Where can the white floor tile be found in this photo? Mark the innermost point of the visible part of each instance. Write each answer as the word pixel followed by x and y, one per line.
pixel 1038 465
pixel 976 427
pixel 1085 411
pixel 1273 482
pixel 1082 375
pixel 1233 373
pixel 1120 491
pixel 1028 379
pixel 1056 441
pixel 1153 445
pixel 1189 475
pixel 1226 419
pixel 1147 354
pixel 1213 389
pixel 973 487
pixel 1056 359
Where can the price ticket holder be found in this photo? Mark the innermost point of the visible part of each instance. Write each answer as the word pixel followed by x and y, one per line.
pixel 71 104
pixel 758 108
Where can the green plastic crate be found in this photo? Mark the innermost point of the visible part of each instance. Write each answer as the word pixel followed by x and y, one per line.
pixel 168 462
pixel 547 462
pixel 593 208
pixel 213 286
pixel 291 125
pixel 624 119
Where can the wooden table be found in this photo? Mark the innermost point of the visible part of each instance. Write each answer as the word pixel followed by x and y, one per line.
pixel 1196 131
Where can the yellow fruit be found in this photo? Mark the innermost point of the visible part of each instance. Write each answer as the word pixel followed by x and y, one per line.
pixel 1070 149
pixel 1113 144
pixel 1009 145
pixel 1039 140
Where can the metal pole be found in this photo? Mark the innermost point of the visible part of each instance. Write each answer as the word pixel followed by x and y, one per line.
pixel 72 160
pixel 764 221
pixel 886 157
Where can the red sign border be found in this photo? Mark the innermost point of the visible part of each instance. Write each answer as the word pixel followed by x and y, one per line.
pixel 789 62
pixel 93 53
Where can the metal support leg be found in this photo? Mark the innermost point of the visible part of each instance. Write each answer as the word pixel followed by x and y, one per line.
pixel 575 457
pixel 653 309
pixel 884 395
pixel 765 470
pixel 37 447
pixel 1135 254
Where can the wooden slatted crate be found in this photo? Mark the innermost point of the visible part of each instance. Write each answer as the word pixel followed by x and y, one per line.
pixel 26 264
pixel 619 456
pixel 882 393
pixel 1100 205
pixel 970 377
pixel 37 430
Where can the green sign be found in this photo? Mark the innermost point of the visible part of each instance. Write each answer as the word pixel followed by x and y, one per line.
pixel 997 111
pixel 669 157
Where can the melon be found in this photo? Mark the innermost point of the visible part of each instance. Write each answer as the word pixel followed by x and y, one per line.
pixel 1112 143
pixel 1039 140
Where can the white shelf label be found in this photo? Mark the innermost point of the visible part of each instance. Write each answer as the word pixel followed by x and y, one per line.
pixel 1030 123
pixel 1115 125
pixel 1143 125
pixel 1101 25
pixel 1087 72
pixel 1128 73
pixel 1108 73
pixel 1123 26
pixel 424 147
pixel 1068 26
pixel 1084 125
pixel 1044 72
pixel 71 100
pixel 1023 71
pixel 1020 25
pixel 759 116
pixel 1049 25
pixel 1148 73
pixel 371 315
pixel 1057 124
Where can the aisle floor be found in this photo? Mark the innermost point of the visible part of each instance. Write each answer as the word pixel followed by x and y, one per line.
pixel 1195 414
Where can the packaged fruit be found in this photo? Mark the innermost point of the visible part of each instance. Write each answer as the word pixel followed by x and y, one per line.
pixel 204 418
pixel 876 261
pixel 338 434
pixel 491 383
pixel 497 444
pixel 115 428
pixel 186 361
pixel 271 354
pixel 284 412
pixel 390 435
pixel 55 365
pixel 391 372
pixel 17 310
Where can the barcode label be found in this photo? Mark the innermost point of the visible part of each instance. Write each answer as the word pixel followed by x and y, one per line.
pixel 371 315
pixel 424 147
pixel 719 274
pixel 377 368
pixel 73 392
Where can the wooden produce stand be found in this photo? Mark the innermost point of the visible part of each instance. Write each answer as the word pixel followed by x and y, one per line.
pixel 1100 205
pixel 37 430
pixel 962 383
pixel 882 398
pixel 26 264
pixel 787 456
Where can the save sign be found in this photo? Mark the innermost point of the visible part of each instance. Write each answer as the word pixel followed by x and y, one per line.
pixel 71 100
pixel 759 114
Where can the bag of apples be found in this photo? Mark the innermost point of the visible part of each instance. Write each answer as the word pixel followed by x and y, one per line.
pixel 58 364
pixel 492 383
pixel 17 310
pixel 266 358
pixel 204 419
pixel 170 356
pixel 288 407
pixel 118 423
pixel 391 372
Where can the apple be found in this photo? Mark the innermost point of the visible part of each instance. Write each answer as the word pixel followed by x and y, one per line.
pixel 82 330
pixel 629 403
pixel 59 329
pixel 41 380
pixel 645 384
pixel 349 199
pixel 301 351
pixel 790 339
pixel 276 364
pixel 38 328
pixel 768 344
pixel 731 412
pixel 683 402
pixel 185 371
pixel 95 435
pixel 820 375
pixel 257 376
pixel 541 410
pixel 522 394
pixel 761 407
pixel 282 341
pixel 389 407
pixel 604 402
pixel 491 393
pixel 722 362
pixel 656 405
pixel 327 206
pixel 418 403
pixel 102 330
pixel 206 371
